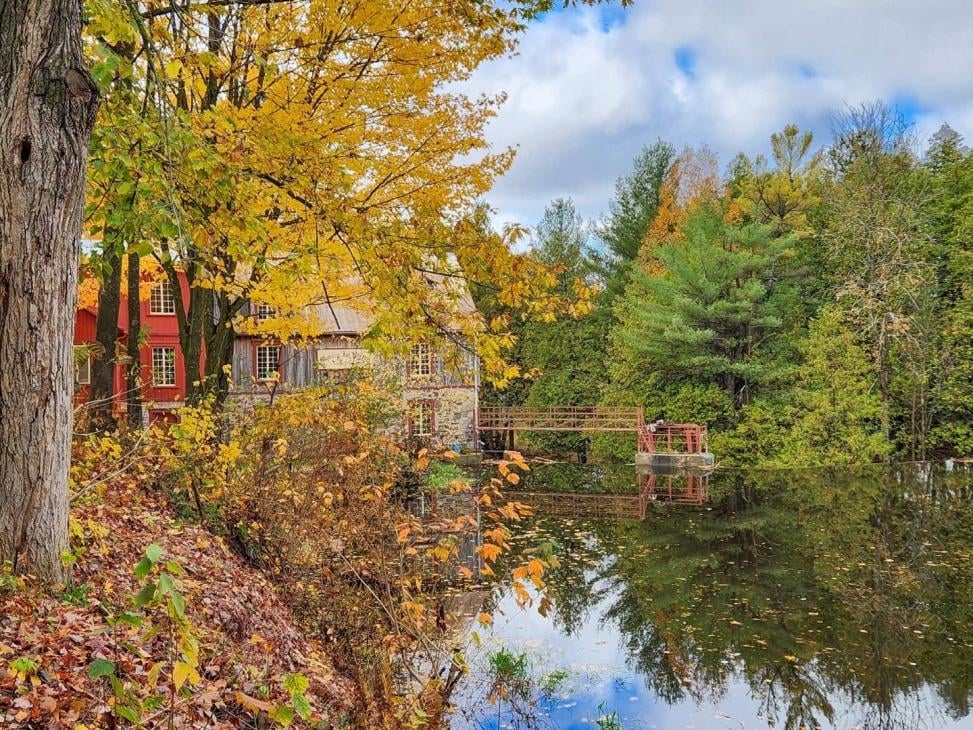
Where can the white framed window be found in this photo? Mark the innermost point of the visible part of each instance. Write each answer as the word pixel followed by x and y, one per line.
pixel 268 361
pixel 82 367
pixel 164 366
pixel 421 360
pixel 265 312
pixel 161 300
pixel 422 418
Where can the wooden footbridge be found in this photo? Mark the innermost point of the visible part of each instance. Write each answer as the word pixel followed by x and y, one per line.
pixel 674 443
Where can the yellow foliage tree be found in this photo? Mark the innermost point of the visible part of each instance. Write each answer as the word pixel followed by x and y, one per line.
pixel 693 177
pixel 319 153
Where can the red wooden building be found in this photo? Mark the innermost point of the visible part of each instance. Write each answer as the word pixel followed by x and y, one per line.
pixel 162 376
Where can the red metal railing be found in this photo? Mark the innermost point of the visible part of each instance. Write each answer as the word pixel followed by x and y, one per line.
pixel 672 438
pixel 559 418
pixel 674 489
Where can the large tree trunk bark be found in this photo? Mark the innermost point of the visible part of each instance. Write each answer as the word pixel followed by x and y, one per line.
pixel 47 109
pixel 101 396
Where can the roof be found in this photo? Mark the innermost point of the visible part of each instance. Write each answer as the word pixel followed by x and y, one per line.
pixel 339 318
pixel 355 317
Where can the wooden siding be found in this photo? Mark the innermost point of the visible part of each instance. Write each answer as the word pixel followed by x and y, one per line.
pixel 297 364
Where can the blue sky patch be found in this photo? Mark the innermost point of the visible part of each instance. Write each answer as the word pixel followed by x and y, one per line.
pixel 685 58
pixel 807 71
pixel 909 107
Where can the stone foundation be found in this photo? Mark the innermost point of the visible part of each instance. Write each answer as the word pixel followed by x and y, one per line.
pixel 661 462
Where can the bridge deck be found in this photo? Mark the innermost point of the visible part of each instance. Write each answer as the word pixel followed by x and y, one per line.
pixel 670 438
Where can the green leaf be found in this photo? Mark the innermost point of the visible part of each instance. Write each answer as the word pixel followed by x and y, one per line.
pixel 166 587
pixel 24 665
pixel 283 715
pixel 143 568
pixel 132 619
pixel 153 552
pixel 128 713
pixel 302 706
pixel 296 684
pixel 173 567
pixel 145 596
pixel 101 668
pixel 178 604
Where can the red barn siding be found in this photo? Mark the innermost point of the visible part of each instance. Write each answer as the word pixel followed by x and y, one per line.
pixel 160 330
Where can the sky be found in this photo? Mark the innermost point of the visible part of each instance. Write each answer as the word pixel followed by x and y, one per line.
pixel 590 86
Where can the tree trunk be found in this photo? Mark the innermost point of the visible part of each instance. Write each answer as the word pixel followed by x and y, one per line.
pixel 47 111
pixel 133 373
pixel 102 392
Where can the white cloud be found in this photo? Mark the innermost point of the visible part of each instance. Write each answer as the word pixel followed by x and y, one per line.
pixel 584 96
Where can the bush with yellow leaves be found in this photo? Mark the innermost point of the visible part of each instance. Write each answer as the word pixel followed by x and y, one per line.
pixel 309 488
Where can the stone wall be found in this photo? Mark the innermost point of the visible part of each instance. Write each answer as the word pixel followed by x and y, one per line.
pixel 451 387
pixel 455 413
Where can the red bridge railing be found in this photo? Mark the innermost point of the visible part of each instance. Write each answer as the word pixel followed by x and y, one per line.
pixel 672 438
pixel 559 418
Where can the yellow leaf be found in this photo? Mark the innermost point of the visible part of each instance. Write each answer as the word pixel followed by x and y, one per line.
pixel 252 703
pixel 181 672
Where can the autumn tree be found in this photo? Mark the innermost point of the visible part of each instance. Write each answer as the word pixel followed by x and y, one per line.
pixel 318 154
pixel 48 111
pixel 878 247
pixel 785 194
pixel 128 204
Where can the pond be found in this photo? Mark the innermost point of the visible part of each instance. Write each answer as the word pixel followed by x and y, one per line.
pixel 796 599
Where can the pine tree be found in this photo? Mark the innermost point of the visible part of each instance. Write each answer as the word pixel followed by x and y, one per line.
pixel 568 354
pixel 709 316
pixel 951 214
pixel 631 213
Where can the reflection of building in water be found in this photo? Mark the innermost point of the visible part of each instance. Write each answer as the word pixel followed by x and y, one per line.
pixel 439 512
pixel 459 602
pixel 675 488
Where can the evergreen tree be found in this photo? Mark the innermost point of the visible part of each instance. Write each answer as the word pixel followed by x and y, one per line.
pixel 631 213
pixel 709 316
pixel 951 215
pixel 567 356
pixel 836 411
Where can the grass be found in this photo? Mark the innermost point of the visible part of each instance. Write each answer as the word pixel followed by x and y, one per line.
pixel 608 721
pixel 442 474
pixel 508 667
pixel 553 681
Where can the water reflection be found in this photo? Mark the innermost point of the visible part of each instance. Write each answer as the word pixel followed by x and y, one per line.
pixel 792 599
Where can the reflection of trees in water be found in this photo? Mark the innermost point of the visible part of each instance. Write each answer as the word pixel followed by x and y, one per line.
pixel 814 587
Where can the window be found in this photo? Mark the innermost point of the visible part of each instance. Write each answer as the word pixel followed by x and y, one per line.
pixel 82 367
pixel 422 414
pixel 161 301
pixel 164 366
pixel 420 361
pixel 268 361
pixel 265 312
